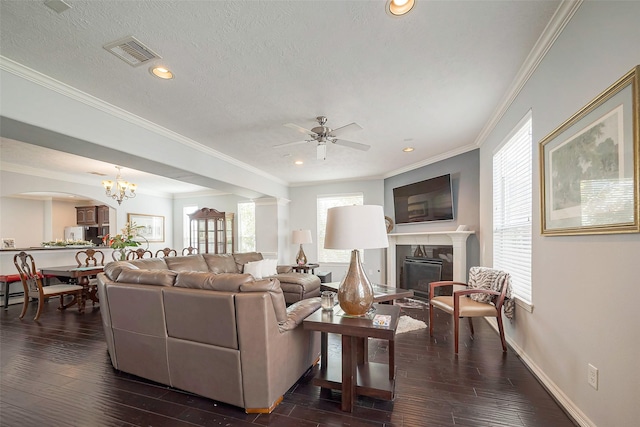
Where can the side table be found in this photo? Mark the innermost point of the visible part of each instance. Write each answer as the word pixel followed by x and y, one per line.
pixel 305 268
pixel 355 375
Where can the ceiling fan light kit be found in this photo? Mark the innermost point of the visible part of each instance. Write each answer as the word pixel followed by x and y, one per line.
pixel 322 134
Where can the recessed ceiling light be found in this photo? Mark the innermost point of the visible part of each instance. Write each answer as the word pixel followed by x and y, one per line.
pixel 161 72
pixel 298 162
pixel 407 149
pixel 399 7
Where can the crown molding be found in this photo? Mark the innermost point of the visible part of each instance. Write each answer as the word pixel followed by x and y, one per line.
pixel 431 160
pixel 554 28
pixel 64 89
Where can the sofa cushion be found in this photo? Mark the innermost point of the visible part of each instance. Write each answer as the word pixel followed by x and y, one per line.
pixel 228 282
pixel 147 277
pixel 253 268
pixel 269 267
pixel 242 259
pixel 113 269
pixel 272 286
pixel 186 263
pixel 220 263
pixel 150 264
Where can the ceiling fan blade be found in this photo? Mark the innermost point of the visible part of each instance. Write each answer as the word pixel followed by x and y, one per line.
pixel 288 144
pixel 351 127
pixel 351 144
pixel 299 128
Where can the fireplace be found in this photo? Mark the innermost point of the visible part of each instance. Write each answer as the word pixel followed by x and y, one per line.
pixel 457 239
pixel 418 272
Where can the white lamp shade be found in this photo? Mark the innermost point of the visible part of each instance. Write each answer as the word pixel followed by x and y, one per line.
pixel 301 236
pixel 356 227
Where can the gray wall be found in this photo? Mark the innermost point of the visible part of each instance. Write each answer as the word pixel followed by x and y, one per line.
pixel 585 288
pixel 465 173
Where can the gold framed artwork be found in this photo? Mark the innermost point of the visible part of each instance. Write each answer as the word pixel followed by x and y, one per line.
pixel 151 226
pixel 589 166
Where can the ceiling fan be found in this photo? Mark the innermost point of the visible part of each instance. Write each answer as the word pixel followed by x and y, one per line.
pixel 322 134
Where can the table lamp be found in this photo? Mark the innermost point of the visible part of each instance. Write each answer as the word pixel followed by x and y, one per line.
pixel 301 237
pixel 350 227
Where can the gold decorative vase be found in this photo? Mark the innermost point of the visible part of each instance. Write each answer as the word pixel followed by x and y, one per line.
pixel 355 293
pixel 301 258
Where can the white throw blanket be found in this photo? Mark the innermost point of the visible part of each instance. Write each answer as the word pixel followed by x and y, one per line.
pixel 492 279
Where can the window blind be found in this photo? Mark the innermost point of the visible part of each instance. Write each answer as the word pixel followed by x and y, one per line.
pixel 323 204
pixel 512 206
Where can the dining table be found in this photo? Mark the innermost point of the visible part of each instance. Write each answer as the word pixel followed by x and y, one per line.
pixel 80 274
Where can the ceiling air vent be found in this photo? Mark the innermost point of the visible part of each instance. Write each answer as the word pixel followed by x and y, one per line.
pixel 131 51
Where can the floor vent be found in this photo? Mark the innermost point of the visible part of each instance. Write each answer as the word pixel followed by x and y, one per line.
pixel 131 51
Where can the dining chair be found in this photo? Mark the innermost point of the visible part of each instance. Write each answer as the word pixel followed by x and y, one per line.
pixel 90 258
pixel 487 294
pixel 33 288
pixel 189 251
pixel 166 252
pixel 138 254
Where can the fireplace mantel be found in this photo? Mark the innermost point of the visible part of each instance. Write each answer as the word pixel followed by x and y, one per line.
pixel 458 239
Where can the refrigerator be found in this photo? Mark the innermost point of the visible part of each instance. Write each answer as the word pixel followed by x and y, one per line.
pixel 74 233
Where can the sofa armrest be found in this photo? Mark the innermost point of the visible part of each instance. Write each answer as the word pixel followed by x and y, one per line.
pixel 297 312
pixel 281 269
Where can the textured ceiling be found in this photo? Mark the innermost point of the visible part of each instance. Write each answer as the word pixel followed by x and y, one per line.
pixel 430 80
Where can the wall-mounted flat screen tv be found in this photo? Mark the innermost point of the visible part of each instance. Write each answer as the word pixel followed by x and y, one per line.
pixel 429 200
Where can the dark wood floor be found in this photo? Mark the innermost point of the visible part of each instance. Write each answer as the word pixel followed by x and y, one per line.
pixel 56 372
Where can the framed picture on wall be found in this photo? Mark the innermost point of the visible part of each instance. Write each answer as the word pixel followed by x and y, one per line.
pixel 8 243
pixel 151 226
pixel 589 166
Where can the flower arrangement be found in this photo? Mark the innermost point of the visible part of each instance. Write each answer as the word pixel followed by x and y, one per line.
pixel 68 242
pixel 125 238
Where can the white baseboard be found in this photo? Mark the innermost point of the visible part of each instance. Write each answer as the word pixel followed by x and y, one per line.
pixel 567 404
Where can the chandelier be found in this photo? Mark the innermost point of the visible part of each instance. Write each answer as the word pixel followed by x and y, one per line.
pixel 123 190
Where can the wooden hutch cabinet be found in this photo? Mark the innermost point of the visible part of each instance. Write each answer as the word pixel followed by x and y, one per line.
pixel 231 241
pixel 211 231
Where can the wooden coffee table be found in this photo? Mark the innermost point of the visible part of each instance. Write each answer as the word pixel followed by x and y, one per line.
pixel 355 375
pixel 381 293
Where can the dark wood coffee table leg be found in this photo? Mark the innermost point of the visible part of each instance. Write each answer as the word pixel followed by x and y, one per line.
pixel 348 372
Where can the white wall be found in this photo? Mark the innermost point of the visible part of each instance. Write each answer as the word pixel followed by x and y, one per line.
pixel 303 216
pixel 28 220
pixel 585 288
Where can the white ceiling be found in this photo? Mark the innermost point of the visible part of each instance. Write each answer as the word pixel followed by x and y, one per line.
pixel 431 80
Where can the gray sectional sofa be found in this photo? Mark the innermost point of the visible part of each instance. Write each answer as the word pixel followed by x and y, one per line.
pixel 186 323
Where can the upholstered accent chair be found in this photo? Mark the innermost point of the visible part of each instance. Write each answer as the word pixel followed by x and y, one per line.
pixel 487 294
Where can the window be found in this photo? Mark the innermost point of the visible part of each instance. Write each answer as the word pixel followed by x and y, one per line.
pixel 323 204
pixel 512 206
pixel 246 227
pixel 186 226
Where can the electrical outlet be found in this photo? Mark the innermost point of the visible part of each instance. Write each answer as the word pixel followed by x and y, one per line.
pixel 592 376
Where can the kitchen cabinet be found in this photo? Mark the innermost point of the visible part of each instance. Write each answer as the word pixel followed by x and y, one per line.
pixel 86 215
pixel 103 215
pixel 92 215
